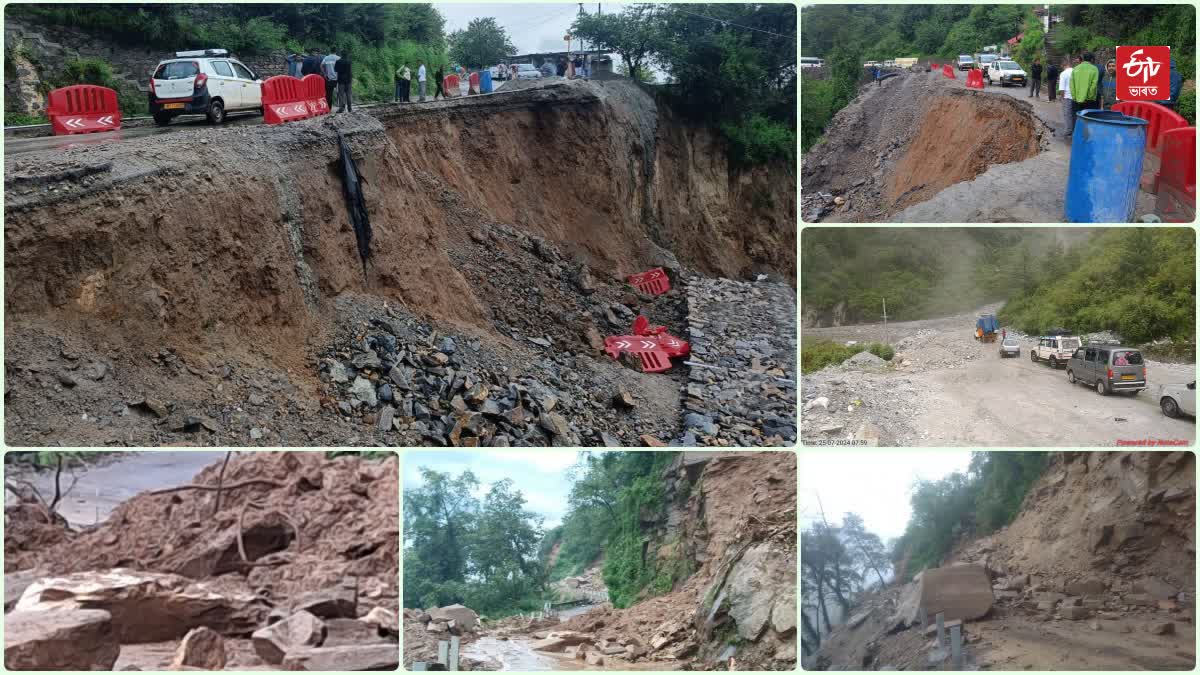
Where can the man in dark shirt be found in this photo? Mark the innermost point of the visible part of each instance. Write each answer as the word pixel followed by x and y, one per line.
pixel 312 63
pixel 1036 85
pixel 344 82
pixel 1052 73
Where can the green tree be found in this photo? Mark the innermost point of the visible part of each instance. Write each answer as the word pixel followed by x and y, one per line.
pixel 484 42
pixel 633 34
pixel 438 519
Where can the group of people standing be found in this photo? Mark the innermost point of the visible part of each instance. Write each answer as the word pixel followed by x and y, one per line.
pixel 337 71
pixel 404 82
pixel 1083 86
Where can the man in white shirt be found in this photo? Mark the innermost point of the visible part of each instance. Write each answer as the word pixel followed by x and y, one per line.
pixel 1068 106
pixel 327 69
pixel 421 80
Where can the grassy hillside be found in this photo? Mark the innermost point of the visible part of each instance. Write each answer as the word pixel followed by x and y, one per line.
pixel 1139 282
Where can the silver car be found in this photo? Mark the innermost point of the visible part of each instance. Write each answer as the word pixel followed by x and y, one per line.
pixel 1010 347
pixel 1176 399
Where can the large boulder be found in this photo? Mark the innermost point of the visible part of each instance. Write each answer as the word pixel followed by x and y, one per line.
pixel 15 585
pixel 762 578
pixel 384 620
pixel 334 603
pixel 464 617
pixel 202 648
pixel 960 591
pixel 65 639
pixel 909 606
pixel 301 629
pixel 352 658
pixel 341 632
pixel 148 606
pixel 560 640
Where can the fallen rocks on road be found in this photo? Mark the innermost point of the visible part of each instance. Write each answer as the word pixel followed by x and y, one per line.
pixel 202 648
pixel 60 639
pixel 958 591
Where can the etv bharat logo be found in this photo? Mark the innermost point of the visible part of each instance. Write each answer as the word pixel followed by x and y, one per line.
pixel 1143 73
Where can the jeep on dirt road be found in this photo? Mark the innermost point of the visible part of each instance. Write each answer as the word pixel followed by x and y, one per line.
pixel 966 62
pixel 1057 349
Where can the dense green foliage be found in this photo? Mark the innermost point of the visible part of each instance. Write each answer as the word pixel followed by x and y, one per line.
pixel 976 503
pixel 840 561
pixel 922 272
pixel 1139 282
pixel 612 494
pixel 380 37
pixel 1187 106
pixel 459 550
pixel 816 355
pixel 749 49
pixel 483 43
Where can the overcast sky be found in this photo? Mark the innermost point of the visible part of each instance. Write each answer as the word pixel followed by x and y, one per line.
pixel 540 475
pixel 875 485
pixel 532 27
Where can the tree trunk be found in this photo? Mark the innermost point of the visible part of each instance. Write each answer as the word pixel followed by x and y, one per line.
pixel 813 640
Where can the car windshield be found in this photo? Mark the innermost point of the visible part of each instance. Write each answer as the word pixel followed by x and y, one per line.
pixel 1127 358
pixel 965 58
pixel 176 70
pixel 1010 342
pixel 525 66
pixel 1009 65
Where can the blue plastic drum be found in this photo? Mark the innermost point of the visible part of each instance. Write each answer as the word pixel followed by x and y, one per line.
pixel 1106 167
pixel 485 81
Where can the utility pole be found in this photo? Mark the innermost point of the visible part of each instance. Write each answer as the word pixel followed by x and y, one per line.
pixel 885 335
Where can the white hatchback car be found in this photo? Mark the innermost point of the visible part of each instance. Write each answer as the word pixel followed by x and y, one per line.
pixel 526 71
pixel 203 82
pixel 1177 398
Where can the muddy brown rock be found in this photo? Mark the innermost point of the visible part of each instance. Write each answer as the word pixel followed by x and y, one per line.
pixel 559 641
pixel 302 629
pixel 202 648
pixel 148 606
pixel 62 639
pixel 328 604
pixel 383 619
pixel 1155 588
pixel 352 658
pixel 1089 586
pixel 1161 628
pixel 960 591
pixel 1075 613
pixel 594 658
pixel 342 632
pixel 466 618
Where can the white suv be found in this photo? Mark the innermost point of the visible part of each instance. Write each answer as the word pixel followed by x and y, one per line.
pixel 203 82
pixel 1057 349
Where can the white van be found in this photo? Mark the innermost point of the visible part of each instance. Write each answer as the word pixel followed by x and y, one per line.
pixel 811 62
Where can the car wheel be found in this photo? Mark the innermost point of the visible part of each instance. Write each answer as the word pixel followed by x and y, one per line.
pixel 1070 376
pixel 1101 388
pixel 1033 356
pixel 1169 407
pixel 162 119
pixel 216 112
pixel 1054 363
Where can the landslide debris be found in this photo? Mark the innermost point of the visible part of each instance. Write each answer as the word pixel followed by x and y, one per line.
pixel 1097 572
pixel 296 534
pixel 904 141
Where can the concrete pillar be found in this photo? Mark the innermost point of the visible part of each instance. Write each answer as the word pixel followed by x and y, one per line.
pixel 454 652
pixel 956 655
pixel 444 652
pixel 941 629
pixel 922 616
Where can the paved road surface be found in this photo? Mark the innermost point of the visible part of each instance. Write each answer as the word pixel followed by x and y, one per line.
pixel 100 490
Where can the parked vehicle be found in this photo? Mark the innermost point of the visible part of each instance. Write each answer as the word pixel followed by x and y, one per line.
pixel 1108 368
pixel 906 62
pixel 870 64
pixel 985 60
pixel 499 72
pixel 966 62
pixel 1057 349
pixel 1176 399
pixel 986 327
pixel 1010 347
pixel 203 82
pixel 526 71
pixel 805 62
pixel 1005 72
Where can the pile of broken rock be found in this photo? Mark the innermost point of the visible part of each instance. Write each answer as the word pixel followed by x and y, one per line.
pixel 81 621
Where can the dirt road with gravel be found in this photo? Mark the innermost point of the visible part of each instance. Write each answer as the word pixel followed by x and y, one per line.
pixel 943 388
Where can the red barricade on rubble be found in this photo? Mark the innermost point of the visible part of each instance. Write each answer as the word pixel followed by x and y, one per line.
pixel 450 86
pixel 654 359
pixel 948 72
pixel 284 99
pixel 975 79
pixel 83 109
pixel 474 81
pixel 1176 178
pixel 641 326
pixel 314 94
pixel 654 282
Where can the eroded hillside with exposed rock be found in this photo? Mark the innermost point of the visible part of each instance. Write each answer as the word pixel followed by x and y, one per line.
pixel 1097 572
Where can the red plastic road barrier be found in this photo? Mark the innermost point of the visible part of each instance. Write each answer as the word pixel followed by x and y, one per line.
pixel 474 83
pixel 673 346
pixel 450 86
pixel 314 94
pixel 975 79
pixel 935 66
pixel 284 99
pixel 654 282
pixel 948 72
pixel 654 360
pixel 83 109
pixel 1176 179
pixel 1161 120
pixel 641 326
